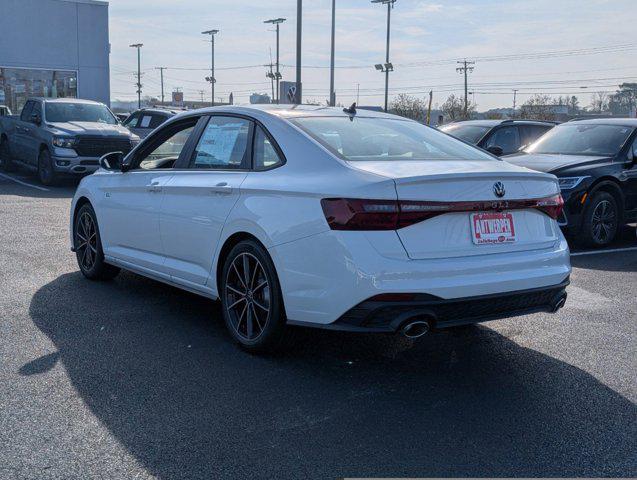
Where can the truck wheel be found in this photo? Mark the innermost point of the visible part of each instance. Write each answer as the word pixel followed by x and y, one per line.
pixel 601 220
pixel 5 157
pixel 46 173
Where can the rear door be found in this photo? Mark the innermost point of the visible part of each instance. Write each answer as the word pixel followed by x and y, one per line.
pixel 31 138
pixel 199 198
pixel 17 140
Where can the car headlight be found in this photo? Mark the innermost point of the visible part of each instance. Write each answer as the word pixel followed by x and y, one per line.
pixel 64 142
pixel 568 183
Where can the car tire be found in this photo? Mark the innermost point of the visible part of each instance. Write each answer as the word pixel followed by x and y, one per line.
pixel 251 299
pixel 600 222
pixel 46 172
pixel 88 246
pixel 6 164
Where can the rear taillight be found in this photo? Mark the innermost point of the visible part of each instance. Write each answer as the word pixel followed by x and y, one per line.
pixel 363 214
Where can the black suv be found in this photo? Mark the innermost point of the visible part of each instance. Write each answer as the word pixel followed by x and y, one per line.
pixel 145 120
pixel 596 164
pixel 500 137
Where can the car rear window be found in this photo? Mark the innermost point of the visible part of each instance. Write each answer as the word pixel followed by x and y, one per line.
pixel 383 139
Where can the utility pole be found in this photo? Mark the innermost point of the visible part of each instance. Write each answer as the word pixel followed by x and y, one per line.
pixel 515 92
pixel 138 46
pixel 161 74
pixel 212 79
pixel 201 93
pixel 431 96
pixel 272 77
pixel 387 67
pixel 358 89
pixel 278 76
pixel 299 20
pixel 466 68
pixel 332 93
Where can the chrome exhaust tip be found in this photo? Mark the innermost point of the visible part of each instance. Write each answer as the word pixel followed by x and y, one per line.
pixel 415 329
pixel 559 303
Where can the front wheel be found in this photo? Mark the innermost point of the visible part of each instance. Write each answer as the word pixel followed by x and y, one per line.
pixel 251 299
pixel 601 220
pixel 46 172
pixel 88 246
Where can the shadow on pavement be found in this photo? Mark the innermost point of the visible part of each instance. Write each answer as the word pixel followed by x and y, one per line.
pixel 156 367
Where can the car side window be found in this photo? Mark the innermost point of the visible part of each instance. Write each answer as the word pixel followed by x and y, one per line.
pixel 26 111
pixel 507 138
pixel 530 133
pixel 145 121
pixel 265 155
pixel 131 121
pixel 37 110
pixel 156 121
pixel 223 144
pixel 164 150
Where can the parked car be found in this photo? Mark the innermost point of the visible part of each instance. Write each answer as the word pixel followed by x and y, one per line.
pixel 144 121
pixel 500 137
pixel 596 164
pixel 122 116
pixel 63 136
pixel 324 217
pixel 4 111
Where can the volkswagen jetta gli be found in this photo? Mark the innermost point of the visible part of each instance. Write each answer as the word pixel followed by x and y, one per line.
pixel 324 217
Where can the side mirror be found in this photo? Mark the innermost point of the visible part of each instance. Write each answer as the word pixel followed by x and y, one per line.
pixel 35 118
pixel 494 149
pixel 111 160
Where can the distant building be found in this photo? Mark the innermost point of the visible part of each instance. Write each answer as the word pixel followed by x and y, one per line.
pixel 258 98
pixel 54 48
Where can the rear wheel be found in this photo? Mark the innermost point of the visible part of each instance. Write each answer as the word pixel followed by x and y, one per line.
pixel 88 246
pixel 601 220
pixel 251 299
pixel 46 172
pixel 6 164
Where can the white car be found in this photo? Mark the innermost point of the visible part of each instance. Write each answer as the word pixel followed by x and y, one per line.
pixel 325 217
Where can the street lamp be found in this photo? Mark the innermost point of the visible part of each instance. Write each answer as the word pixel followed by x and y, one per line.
pixel 211 78
pixel 332 94
pixel 277 74
pixel 138 46
pixel 388 67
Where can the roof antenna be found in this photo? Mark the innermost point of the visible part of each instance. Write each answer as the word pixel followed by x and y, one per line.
pixel 351 110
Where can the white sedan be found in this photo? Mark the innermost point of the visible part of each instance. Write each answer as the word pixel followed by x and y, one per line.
pixel 325 217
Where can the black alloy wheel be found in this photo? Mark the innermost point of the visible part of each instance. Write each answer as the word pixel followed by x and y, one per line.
pixel 88 246
pixel 601 220
pixel 252 303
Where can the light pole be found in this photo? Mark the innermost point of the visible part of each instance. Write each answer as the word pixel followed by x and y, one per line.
pixel 298 97
pixel 332 94
pixel 138 46
pixel 388 67
pixel 277 22
pixel 211 78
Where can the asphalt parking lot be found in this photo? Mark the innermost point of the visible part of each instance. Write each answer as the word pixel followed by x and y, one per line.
pixel 135 379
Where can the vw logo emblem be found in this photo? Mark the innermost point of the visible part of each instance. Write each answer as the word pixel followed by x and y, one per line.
pixel 498 189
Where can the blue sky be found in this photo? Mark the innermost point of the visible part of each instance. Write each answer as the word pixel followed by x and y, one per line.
pixel 424 35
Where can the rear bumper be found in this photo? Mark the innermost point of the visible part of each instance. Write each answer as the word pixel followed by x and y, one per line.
pixel 378 316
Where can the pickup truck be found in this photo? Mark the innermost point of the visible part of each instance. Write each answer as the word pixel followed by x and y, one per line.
pixel 61 136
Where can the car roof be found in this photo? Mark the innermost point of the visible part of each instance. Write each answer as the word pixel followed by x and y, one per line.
pixel 165 111
pixel 288 111
pixel 625 122
pixel 493 123
pixel 65 100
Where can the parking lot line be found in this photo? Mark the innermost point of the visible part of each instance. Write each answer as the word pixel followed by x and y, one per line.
pixel 610 250
pixel 8 177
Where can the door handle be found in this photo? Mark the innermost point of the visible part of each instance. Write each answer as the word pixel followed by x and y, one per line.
pixel 221 188
pixel 154 187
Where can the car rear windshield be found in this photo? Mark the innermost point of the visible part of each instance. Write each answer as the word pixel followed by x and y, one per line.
pixel 582 139
pixel 59 112
pixel 467 133
pixel 365 139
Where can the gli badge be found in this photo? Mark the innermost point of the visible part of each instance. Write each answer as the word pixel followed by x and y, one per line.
pixel 498 189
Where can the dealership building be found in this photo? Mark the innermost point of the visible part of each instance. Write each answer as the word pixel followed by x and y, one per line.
pixel 53 48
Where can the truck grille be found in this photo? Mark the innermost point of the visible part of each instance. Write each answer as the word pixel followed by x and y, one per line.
pixel 88 146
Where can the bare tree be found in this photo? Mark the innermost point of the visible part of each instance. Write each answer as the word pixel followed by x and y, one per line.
pixel 453 108
pixel 408 106
pixel 538 107
pixel 599 102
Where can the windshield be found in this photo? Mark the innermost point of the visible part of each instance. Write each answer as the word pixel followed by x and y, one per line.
pixel 467 133
pixel 78 112
pixel 364 139
pixel 574 139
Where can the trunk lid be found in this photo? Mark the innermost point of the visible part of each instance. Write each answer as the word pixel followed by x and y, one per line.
pixel 450 234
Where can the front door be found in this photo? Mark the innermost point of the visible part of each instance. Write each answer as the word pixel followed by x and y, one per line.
pixel 197 200
pixel 130 209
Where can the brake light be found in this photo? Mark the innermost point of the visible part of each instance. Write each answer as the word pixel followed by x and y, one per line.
pixel 363 214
